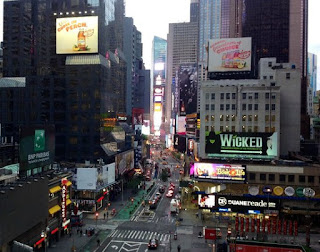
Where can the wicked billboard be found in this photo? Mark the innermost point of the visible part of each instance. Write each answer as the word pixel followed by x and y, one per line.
pixel 239 145
pixel 37 147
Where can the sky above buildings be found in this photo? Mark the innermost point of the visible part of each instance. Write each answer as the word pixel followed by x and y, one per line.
pixel 152 18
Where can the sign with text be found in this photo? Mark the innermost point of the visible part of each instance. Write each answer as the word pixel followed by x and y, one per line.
pixel 223 172
pixel 76 35
pixel 229 55
pixel 242 144
pixel 37 147
pixel 210 234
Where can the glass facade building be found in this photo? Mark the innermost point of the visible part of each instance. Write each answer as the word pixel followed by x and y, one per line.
pixel 72 91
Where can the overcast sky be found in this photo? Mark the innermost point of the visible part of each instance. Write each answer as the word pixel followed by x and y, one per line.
pixel 152 18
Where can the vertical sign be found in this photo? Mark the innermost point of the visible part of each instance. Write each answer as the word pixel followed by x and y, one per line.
pixel 64 200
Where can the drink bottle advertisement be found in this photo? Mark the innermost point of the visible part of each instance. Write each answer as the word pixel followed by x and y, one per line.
pixel 76 35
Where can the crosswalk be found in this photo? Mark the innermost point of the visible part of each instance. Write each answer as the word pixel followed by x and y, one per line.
pixel 153 219
pixel 139 235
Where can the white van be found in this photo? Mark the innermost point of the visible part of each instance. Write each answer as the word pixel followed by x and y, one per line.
pixel 174 206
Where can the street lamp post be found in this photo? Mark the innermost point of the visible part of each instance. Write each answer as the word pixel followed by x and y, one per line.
pixel 44 235
pixel 97 215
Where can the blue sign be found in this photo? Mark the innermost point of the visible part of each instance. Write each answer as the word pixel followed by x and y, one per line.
pixel 224 209
pixel 253 211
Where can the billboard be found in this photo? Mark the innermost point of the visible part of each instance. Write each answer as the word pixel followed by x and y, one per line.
pixel 242 144
pixel 124 162
pixel 229 55
pixel 206 201
pixel 87 178
pixel 37 147
pixel 224 172
pixel 108 174
pixel 188 85
pixel 137 116
pixel 76 35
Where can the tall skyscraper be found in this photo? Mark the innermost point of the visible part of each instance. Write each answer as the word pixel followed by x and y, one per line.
pixel 73 78
pixel 158 80
pixel 194 10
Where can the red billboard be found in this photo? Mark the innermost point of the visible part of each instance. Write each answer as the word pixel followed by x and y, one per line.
pixel 210 234
pixel 264 248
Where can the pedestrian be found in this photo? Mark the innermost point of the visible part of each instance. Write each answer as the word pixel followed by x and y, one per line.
pixel 104 216
pixel 107 215
pixel 78 230
pixel 98 243
pixel 179 248
pixel 81 232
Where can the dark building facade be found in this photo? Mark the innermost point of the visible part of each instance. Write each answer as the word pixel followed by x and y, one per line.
pixel 70 90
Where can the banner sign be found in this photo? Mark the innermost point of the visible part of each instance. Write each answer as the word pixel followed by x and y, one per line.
pixel 64 199
pixel 76 35
pixel 223 172
pixel 239 203
pixel 242 144
pixel 229 55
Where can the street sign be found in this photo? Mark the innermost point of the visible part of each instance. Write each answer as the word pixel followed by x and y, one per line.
pixel 210 234
pixel 309 192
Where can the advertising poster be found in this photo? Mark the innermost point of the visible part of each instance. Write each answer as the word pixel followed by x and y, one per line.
pixel 229 55
pixel 181 125
pixel 76 35
pixel 206 201
pixel 124 161
pixel 37 147
pixel 242 144
pixel 188 86
pixel 87 178
pixel 137 116
pixel 225 172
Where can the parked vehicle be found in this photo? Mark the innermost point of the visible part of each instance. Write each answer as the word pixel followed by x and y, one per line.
pixel 76 219
pixel 175 206
pixel 161 189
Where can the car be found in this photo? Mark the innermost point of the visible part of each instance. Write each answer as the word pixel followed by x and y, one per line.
pixel 153 243
pixel 158 195
pixel 169 194
pixel 161 189
pixel 164 162
pixel 153 204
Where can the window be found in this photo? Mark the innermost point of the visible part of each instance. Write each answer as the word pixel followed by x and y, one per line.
pixel 213 96
pixel 250 118
pixel 212 128
pixel 207 106
pixel 233 95
pixel 207 96
pixel 264 77
pixel 256 106
pixel 250 96
pixel 267 106
pixel 207 118
pixel 255 128
pixel 212 107
pixel 273 118
pixel 271 77
pixel 244 106
pixel 227 106
pixel 273 106
pixel 255 118
pixel 249 128
pixel 206 128
pixel 252 176
pixel 221 106
pixel 310 179
pixel 273 129
pixel 287 75
pixel 256 95
pixel 244 95
pixel 249 106
pixel 267 95
pixel 271 177
pixel 221 128
pixel 233 118
pixel 244 118
pixel 266 118
pixel 212 118
pixel 243 129
pixel 228 96
pixel 273 96
pixel 263 177
pixel 269 64
pixel 227 118
pixel 221 118
pixel 227 128
pixel 222 96
pixel 266 129
pixel 233 106
pixel 302 179
pixel 291 178
pixel 233 128
pixel 282 178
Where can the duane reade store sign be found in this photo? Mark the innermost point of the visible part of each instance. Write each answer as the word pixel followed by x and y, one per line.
pixel 245 203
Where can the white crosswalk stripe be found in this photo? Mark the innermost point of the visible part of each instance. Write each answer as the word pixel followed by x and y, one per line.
pixel 139 235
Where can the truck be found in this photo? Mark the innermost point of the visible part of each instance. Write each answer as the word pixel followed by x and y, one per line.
pixel 76 219
pixel 175 205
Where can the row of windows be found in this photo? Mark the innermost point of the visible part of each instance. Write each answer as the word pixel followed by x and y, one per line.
pixel 243 129
pixel 248 118
pixel 250 96
pixel 244 106
pixel 282 178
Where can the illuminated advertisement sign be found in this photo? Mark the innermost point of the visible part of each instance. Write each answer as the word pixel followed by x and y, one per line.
pixel 157 107
pixel 223 172
pixel 158 91
pixel 37 147
pixel 64 199
pixel 229 55
pixel 158 98
pixel 137 116
pixel 240 203
pixel 76 35
pixel 242 144
pixel 206 201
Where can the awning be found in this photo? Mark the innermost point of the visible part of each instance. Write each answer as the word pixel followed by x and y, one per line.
pixel 55 189
pixel 68 202
pixel 69 183
pixel 54 209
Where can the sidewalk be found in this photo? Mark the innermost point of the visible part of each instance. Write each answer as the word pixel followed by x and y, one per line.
pixel 102 227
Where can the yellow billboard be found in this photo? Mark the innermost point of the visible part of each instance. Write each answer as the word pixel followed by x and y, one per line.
pixel 77 35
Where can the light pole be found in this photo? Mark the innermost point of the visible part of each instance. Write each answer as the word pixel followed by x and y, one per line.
pixel 44 235
pixel 97 215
